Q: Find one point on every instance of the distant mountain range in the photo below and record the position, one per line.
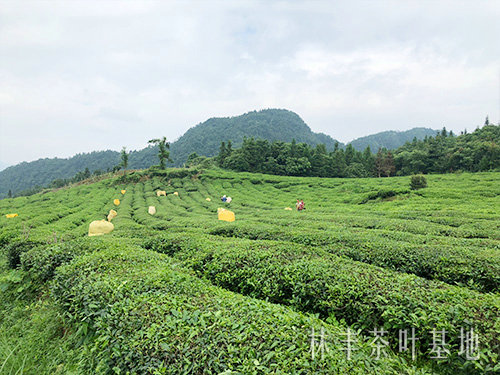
(204, 139)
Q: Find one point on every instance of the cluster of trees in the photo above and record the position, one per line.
(391, 139)
(472, 152)
(478, 151)
(301, 159)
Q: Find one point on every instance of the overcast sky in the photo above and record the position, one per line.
(94, 75)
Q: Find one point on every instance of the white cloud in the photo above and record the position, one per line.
(83, 75)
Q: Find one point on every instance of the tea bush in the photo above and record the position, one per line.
(317, 282)
(418, 182)
(145, 315)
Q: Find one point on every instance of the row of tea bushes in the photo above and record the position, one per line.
(312, 280)
(142, 314)
(479, 269)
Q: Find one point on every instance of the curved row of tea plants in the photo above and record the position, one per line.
(130, 309)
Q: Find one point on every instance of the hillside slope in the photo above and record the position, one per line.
(391, 139)
(183, 292)
(270, 124)
(3, 165)
(43, 171)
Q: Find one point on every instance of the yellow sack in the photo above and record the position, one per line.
(152, 210)
(112, 214)
(124, 191)
(288, 208)
(226, 215)
(100, 227)
(208, 199)
(159, 193)
(10, 216)
(176, 193)
(116, 202)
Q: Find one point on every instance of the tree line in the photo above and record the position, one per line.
(443, 153)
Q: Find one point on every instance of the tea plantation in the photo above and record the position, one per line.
(275, 292)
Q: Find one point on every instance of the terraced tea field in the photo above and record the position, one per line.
(275, 291)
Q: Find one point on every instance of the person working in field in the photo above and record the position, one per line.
(223, 198)
(300, 205)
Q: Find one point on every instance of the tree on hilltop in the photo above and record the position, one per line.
(163, 153)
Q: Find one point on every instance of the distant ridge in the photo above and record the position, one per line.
(391, 139)
(3, 165)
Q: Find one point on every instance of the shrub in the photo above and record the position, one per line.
(6, 238)
(42, 261)
(383, 194)
(418, 182)
(456, 264)
(14, 250)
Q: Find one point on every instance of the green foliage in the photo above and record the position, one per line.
(43, 171)
(13, 251)
(441, 154)
(383, 194)
(220, 290)
(292, 159)
(418, 182)
(270, 124)
(391, 140)
(163, 154)
(317, 282)
(477, 151)
(451, 265)
(199, 161)
(142, 314)
(124, 159)
(33, 337)
(133, 177)
(40, 262)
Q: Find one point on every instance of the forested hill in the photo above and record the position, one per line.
(269, 124)
(204, 139)
(43, 171)
(391, 139)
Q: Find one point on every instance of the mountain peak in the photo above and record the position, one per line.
(271, 124)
